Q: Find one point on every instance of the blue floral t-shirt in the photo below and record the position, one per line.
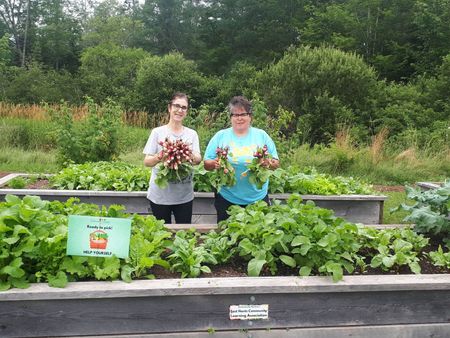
(241, 150)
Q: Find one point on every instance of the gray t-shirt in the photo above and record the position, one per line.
(177, 192)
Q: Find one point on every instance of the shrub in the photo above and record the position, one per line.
(92, 139)
(35, 84)
(323, 86)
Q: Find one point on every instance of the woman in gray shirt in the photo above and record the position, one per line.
(178, 196)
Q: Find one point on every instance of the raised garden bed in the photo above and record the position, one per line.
(366, 209)
(364, 306)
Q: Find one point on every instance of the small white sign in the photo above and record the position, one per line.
(249, 312)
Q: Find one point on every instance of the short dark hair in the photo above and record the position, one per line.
(179, 95)
(240, 101)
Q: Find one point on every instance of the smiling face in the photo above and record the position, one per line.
(240, 120)
(178, 109)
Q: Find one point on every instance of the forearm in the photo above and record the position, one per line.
(151, 160)
(196, 158)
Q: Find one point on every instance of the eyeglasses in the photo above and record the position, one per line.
(240, 115)
(178, 107)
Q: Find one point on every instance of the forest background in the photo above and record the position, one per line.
(356, 87)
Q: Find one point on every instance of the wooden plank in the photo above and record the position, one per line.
(429, 185)
(5, 179)
(230, 285)
(333, 197)
(129, 315)
(369, 331)
(365, 209)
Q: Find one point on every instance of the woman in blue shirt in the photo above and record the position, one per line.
(242, 140)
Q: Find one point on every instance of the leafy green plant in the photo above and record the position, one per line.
(117, 176)
(394, 248)
(430, 213)
(299, 236)
(218, 246)
(294, 180)
(33, 240)
(187, 257)
(440, 258)
(21, 182)
(17, 183)
(149, 240)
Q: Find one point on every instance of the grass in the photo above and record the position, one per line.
(27, 161)
(395, 198)
(387, 169)
(28, 145)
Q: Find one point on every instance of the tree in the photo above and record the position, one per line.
(18, 16)
(115, 24)
(57, 42)
(110, 71)
(172, 26)
(255, 31)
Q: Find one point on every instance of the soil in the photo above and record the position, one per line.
(39, 184)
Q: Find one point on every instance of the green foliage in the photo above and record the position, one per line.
(33, 239)
(26, 134)
(331, 88)
(5, 52)
(32, 161)
(394, 248)
(310, 239)
(257, 173)
(112, 25)
(36, 84)
(109, 71)
(21, 182)
(225, 175)
(430, 212)
(117, 176)
(158, 78)
(440, 258)
(217, 245)
(95, 138)
(298, 235)
(187, 256)
(149, 240)
(293, 180)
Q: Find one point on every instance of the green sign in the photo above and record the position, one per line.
(98, 236)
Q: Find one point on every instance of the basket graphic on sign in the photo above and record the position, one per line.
(98, 239)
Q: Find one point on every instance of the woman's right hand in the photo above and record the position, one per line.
(212, 164)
